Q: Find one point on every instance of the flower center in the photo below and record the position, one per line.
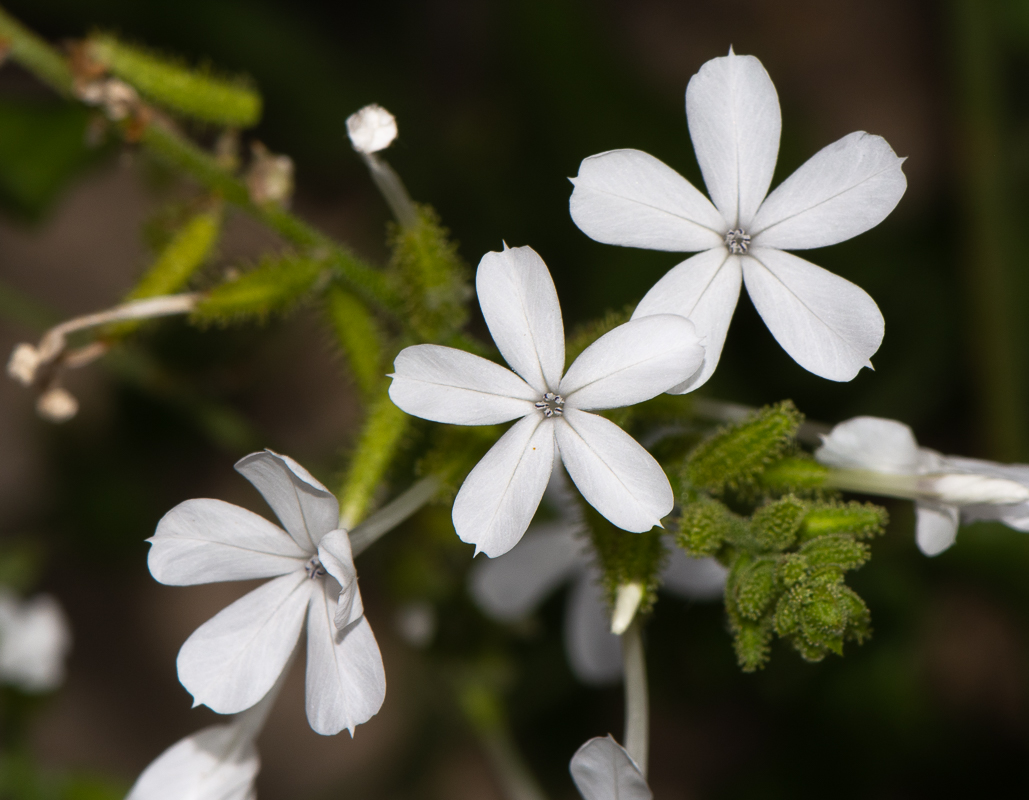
(552, 405)
(314, 569)
(737, 241)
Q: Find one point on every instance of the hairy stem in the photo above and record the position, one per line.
(637, 702)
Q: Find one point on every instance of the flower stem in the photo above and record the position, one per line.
(637, 702)
(389, 516)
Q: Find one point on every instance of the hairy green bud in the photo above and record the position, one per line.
(755, 588)
(168, 83)
(794, 474)
(737, 455)
(626, 557)
(704, 527)
(359, 337)
(184, 254)
(435, 280)
(792, 569)
(751, 642)
(862, 520)
(274, 287)
(836, 550)
(775, 525)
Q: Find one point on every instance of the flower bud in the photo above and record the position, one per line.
(371, 129)
(627, 600)
(969, 489)
(57, 405)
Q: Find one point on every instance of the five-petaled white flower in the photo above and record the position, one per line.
(881, 456)
(233, 660)
(626, 197)
(603, 770)
(632, 363)
(514, 585)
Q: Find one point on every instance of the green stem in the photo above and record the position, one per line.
(637, 702)
(389, 516)
(992, 348)
(33, 53)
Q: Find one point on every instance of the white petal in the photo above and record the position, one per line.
(733, 112)
(519, 303)
(628, 197)
(500, 495)
(634, 362)
(871, 443)
(232, 660)
(841, 191)
(602, 770)
(693, 578)
(936, 528)
(827, 324)
(35, 639)
(338, 559)
(306, 509)
(216, 763)
(613, 472)
(200, 541)
(1014, 516)
(594, 653)
(704, 289)
(346, 683)
(448, 385)
(512, 585)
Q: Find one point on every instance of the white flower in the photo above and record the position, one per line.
(553, 553)
(233, 660)
(632, 363)
(35, 639)
(881, 456)
(626, 197)
(602, 770)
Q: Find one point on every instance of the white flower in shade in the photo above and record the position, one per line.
(516, 584)
(626, 197)
(35, 639)
(233, 660)
(881, 456)
(219, 762)
(603, 770)
(627, 365)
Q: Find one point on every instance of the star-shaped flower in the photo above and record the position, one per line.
(626, 197)
(632, 363)
(514, 585)
(947, 490)
(233, 660)
(603, 770)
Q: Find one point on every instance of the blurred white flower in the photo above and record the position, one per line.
(603, 770)
(233, 660)
(554, 553)
(881, 456)
(626, 197)
(416, 623)
(35, 640)
(631, 363)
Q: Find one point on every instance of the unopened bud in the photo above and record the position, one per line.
(627, 600)
(371, 129)
(23, 363)
(57, 405)
(963, 490)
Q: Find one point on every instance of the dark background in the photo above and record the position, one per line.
(497, 104)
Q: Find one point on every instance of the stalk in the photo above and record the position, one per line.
(637, 702)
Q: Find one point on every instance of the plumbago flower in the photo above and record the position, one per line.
(603, 770)
(881, 456)
(233, 660)
(552, 553)
(632, 363)
(626, 197)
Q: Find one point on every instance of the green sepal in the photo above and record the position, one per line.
(755, 588)
(704, 527)
(626, 557)
(752, 640)
(776, 524)
(793, 474)
(837, 550)
(359, 338)
(734, 457)
(434, 279)
(173, 85)
(862, 520)
(274, 287)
